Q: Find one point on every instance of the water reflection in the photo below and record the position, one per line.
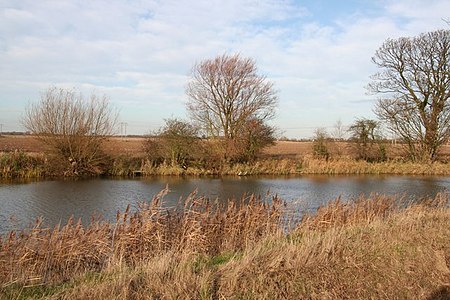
(56, 201)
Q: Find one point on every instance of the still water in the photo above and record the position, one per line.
(56, 201)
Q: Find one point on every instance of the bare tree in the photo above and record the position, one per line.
(73, 127)
(339, 131)
(415, 88)
(339, 135)
(226, 92)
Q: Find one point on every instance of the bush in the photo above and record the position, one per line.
(320, 144)
(74, 128)
(176, 143)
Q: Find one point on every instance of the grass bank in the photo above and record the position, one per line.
(23, 165)
(304, 166)
(373, 248)
(17, 164)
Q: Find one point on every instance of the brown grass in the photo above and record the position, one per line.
(346, 165)
(18, 164)
(399, 255)
(48, 255)
(373, 248)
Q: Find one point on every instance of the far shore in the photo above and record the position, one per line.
(23, 156)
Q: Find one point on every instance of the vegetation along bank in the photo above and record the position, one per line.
(230, 103)
(127, 157)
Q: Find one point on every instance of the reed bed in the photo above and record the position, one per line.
(47, 255)
(345, 165)
(371, 248)
(19, 164)
(378, 250)
(306, 165)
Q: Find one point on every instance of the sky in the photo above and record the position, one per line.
(140, 53)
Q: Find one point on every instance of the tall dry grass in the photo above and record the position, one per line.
(343, 165)
(394, 255)
(47, 255)
(372, 248)
(306, 165)
(346, 165)
(18, 164)
(24, 165)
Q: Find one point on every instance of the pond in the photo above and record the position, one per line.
(56, 200)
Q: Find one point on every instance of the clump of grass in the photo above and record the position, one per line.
(263, 167)
(18, 164)
(344, 213)
(376, 247)
(125, 165)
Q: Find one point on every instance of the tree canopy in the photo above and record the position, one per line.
(226, 96)
(226, 92)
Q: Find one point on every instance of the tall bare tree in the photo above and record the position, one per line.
(73, 127)
(226, 92)
(415, 88)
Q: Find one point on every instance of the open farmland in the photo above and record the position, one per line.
(132, 146)
(115, 145)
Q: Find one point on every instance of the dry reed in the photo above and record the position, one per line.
(371, 248)
(307, 165)
(23, 165)
(345, 165)
(18, 164)
(44, 255)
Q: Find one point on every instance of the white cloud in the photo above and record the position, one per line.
(140, 52)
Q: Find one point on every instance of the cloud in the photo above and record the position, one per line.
(140, 52)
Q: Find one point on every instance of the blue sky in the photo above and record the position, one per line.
(139, 53)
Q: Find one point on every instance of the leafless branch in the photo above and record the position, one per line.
(72, 126)
(415, 83)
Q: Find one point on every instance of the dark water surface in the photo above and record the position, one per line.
(56, 201)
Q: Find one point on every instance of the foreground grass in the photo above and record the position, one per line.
(374, 248)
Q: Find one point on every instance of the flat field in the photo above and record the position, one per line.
(133, 146)
(114, 145)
